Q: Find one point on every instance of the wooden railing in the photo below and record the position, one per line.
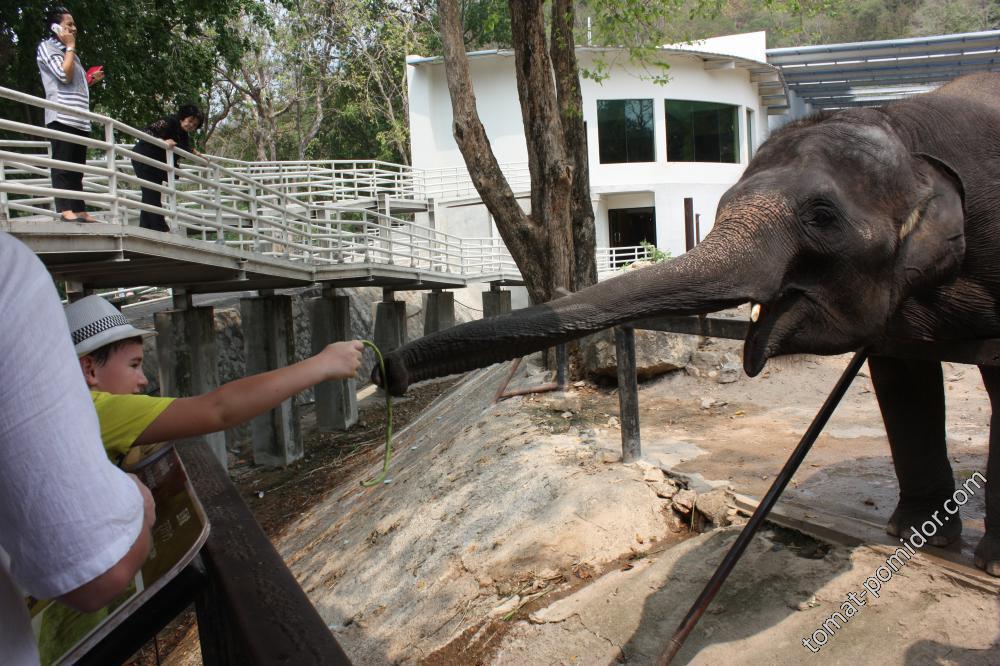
(251, 611)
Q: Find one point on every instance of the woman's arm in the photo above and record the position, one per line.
(69, 58)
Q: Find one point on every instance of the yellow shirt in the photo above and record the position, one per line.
(124, 417)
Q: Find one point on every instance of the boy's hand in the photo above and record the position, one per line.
(341, 360)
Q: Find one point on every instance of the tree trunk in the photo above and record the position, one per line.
(543, 243)
(550, 168)
(567, 78)
(516, 228)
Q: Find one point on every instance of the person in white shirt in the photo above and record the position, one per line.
(72, 525)
(65, 82)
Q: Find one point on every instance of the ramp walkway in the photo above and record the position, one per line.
(238, 225)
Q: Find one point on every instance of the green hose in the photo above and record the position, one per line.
(388, 427)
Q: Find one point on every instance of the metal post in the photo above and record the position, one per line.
(220, 236)
(110, 153)
(774, 492)
(690, 238)
(628, 393)
(4, 204)
(562, 364)
(257, 244)
(171, 189)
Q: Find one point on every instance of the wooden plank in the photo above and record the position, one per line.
(254, 611)
(974, 352)
(713, 327)
(852, 531)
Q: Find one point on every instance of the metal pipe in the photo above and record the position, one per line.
(562, 364)
(743, 540)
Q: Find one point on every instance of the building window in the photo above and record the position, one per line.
(625, 130)
(702, 132)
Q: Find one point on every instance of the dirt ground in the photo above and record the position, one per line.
(513, 534)
(278, 496)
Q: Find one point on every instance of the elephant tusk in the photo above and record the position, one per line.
(755, 312)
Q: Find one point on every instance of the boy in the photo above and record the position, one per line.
(110, 353)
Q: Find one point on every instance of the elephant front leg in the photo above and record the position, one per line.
(911, 397)
(988, 550)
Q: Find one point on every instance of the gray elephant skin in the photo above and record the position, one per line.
(846, 229)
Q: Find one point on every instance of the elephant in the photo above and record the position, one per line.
(847, 229)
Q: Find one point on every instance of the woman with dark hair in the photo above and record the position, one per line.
(174, 131)
(65, 82)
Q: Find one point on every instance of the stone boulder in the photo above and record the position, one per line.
(656, 353)
(722, 366)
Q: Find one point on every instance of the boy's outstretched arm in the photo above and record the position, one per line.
(242, 399)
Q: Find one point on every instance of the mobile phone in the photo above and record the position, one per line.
(56, 29)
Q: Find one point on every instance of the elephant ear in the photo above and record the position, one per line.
(932, 238)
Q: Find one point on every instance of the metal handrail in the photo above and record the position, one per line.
(299, 210)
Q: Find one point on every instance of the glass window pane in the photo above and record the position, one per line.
(625, 130)
(702, 132)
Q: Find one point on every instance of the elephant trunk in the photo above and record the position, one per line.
(711, 277)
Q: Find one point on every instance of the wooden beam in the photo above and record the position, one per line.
(254, 612)
(714, 327)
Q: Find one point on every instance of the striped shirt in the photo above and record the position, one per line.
(75, 93)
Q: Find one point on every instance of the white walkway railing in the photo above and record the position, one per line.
(340, 181)
(300, 211)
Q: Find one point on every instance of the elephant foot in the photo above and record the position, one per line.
(987, 555)
(933, 524)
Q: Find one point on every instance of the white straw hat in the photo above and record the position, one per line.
(93, 323)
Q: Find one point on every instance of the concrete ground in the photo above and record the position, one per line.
(512, 534)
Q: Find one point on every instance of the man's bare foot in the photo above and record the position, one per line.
(78, 217)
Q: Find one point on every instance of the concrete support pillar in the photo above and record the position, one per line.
(439, 311)
(390, 323)
(269, 343)
(189, 365)
(76, 290)
(336, 401)
(495, 302)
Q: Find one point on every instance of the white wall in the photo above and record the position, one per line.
(660, 183)
(432, 143)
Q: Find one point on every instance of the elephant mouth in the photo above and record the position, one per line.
(772, 324)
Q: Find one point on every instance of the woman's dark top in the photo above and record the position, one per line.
(164, 128)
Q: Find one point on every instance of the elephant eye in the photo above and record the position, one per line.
(820, 214)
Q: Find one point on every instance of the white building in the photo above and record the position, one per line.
(651, 145)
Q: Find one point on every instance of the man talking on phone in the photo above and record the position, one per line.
(65, 83)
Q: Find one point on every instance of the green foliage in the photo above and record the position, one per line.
(656, 255)
(158, 53)
(155, 54)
